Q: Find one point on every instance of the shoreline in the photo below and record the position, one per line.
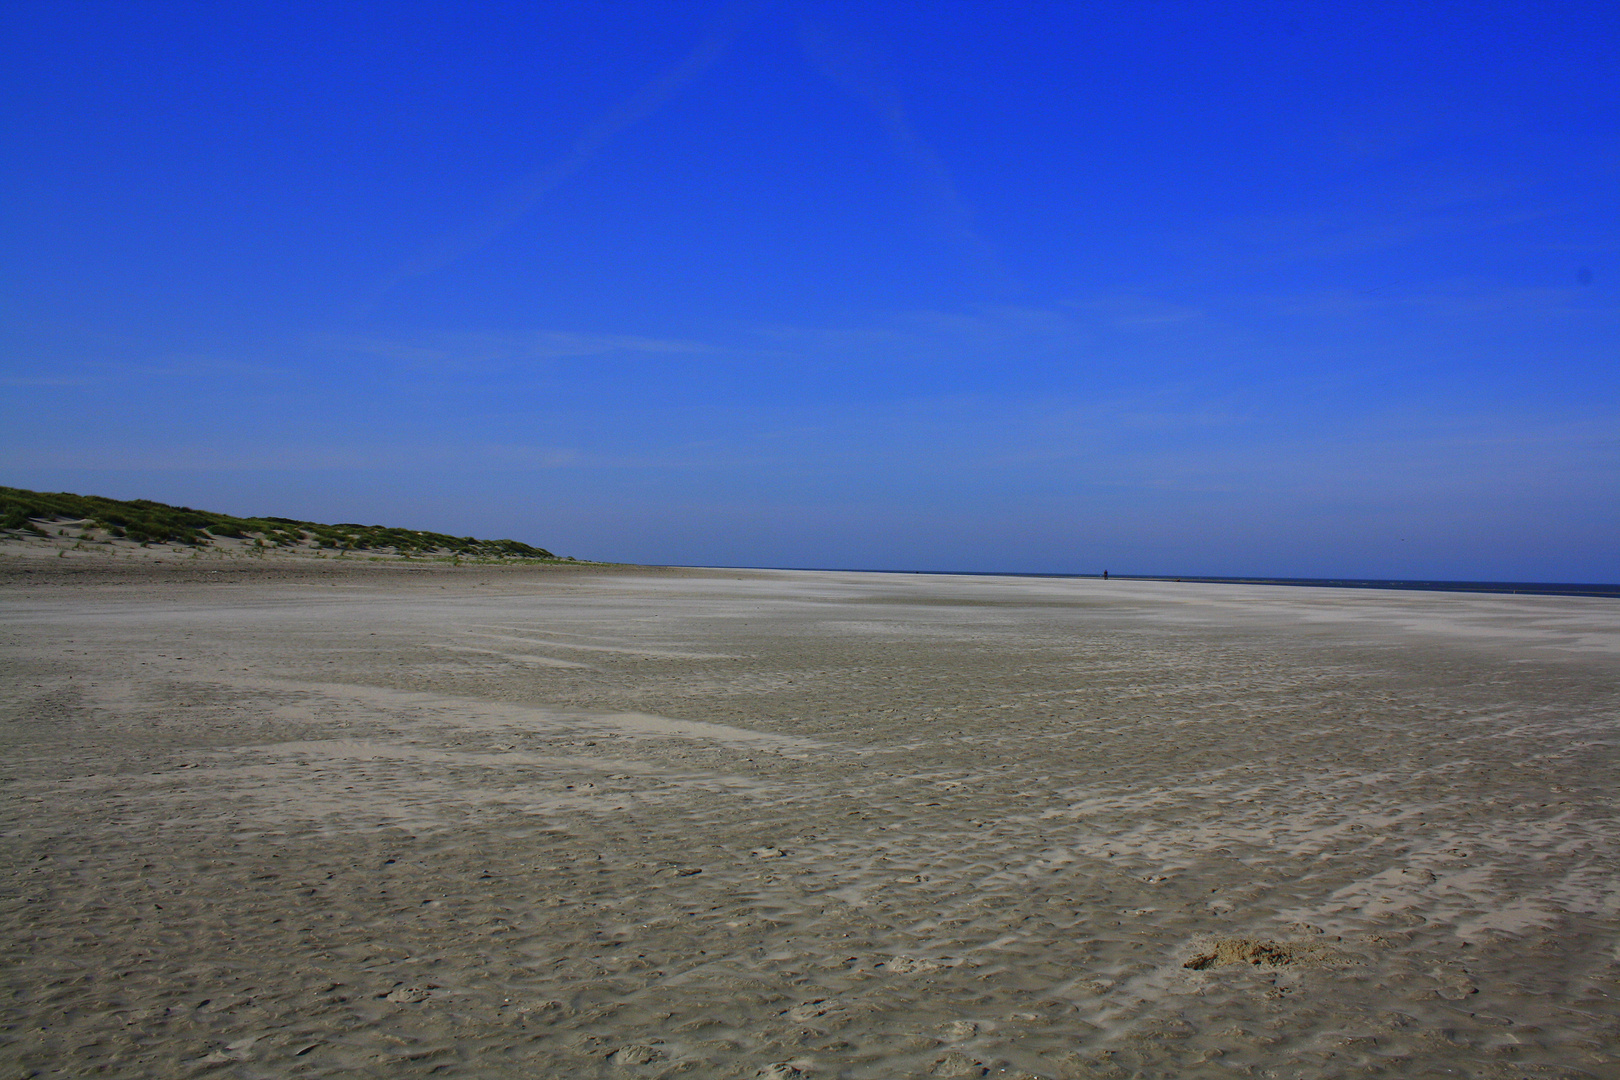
(43, 555)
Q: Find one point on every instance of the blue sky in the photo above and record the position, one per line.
(1292, 289)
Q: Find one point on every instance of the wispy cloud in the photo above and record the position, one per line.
(1453, 299)
(205, 367)
(45, 381)
(1336, 231)
(472, 348)
(96, 371)
(1135, 310)
(318, 457)
(523, 197)
(852, 66)
(986, 331)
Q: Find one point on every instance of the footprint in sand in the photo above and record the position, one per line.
(637, 1054)
(1271, 954)
(910, 965)
(957, 1064)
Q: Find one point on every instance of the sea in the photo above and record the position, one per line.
(1527, 588)
(1532, 588)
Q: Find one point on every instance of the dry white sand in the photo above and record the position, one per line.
(269, 820)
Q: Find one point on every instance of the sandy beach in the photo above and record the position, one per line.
(271, 819)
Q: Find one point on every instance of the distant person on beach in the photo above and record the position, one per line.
(1105, 575)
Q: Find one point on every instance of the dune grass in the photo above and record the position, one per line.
(145, 521)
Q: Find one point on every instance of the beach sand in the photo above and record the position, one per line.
(272, 818)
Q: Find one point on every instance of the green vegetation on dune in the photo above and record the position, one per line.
(146, 522)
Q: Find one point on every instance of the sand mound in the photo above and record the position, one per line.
(1242, 950)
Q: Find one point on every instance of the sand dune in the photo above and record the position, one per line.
(379, 820)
